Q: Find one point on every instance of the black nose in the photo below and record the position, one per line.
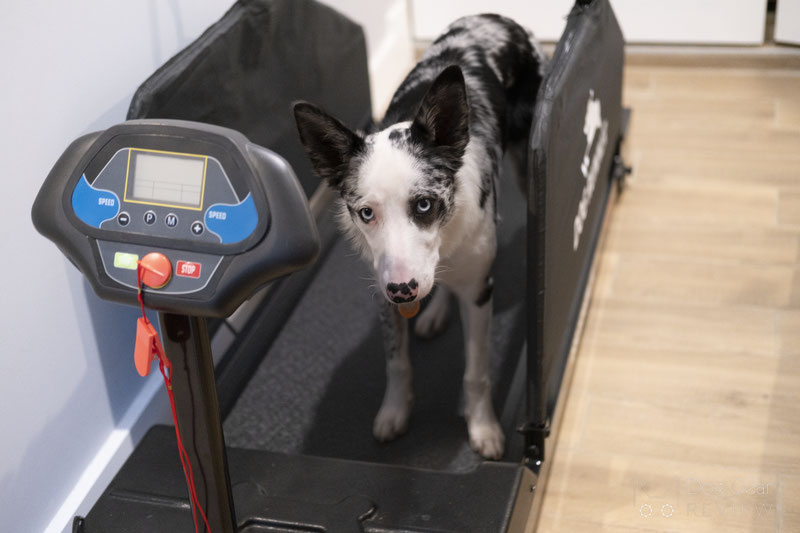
(403, 292)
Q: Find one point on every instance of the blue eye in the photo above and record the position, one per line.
(423, 206)
(367, 215)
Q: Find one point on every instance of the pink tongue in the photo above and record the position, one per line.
(409, 310)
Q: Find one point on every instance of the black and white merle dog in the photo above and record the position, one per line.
(419, 197)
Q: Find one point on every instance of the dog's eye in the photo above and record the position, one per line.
(423, 206)
(366, 214)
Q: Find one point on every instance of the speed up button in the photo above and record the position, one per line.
(232, 223)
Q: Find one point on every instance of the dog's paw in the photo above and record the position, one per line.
(428, 326)
(390, 423)
(487, 439)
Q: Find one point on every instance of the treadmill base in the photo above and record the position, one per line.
(275, 492)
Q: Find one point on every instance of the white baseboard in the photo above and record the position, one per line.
(149, 408)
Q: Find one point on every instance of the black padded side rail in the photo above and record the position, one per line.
(245, 71)
(575, 134)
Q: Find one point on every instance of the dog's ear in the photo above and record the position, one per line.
(329, 144)
(443, 116)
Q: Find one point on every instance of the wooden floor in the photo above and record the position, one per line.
(684, 414)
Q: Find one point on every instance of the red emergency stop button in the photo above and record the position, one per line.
(188, 269)
(157, 270)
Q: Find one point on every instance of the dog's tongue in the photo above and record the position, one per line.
(409, 310)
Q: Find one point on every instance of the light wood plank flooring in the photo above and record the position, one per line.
(684, 413)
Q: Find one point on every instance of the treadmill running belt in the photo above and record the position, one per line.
(321, 383)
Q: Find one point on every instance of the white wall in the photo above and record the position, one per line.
(692, 22)
(66, 373)
(787, 22)
(390, 45)
(71, 405)
(642, 21)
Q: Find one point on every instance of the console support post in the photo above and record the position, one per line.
(186, 343)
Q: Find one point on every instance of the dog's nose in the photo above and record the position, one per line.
(403, 292)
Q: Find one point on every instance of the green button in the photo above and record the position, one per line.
(125, 260)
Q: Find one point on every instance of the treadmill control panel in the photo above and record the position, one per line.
(158, 193)
(144, 193)
(201, 195)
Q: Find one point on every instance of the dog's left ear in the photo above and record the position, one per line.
(443, 116)
(330, 145)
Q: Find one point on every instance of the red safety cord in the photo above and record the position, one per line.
(165, 366)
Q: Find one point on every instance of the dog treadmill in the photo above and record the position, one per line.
(300, 366)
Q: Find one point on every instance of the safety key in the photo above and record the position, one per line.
(148, 346)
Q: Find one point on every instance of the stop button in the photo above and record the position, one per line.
(188, 269)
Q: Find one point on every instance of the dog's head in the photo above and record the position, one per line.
(398, 184)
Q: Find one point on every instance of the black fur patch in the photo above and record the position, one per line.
(393, 328)
(439, 211)
(331, 146)
(486, 293)
(502, 73)
(400, 136)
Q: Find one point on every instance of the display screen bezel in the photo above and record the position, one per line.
(130, 178)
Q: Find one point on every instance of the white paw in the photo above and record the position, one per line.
(487, 439)
(391, 422)
(433, 319)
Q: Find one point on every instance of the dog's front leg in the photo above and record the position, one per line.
(392, 418)
(485, 435)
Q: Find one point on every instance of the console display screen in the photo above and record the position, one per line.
(165, 178)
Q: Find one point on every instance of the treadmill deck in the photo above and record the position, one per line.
(322, 381)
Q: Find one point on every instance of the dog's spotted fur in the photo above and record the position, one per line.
(419, 195)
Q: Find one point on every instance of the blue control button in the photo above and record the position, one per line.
(93, 206)
(232, 223)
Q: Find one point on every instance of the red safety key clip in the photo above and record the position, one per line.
(148, 346)
(154, 270)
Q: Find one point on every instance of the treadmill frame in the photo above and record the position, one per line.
(285, 504)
